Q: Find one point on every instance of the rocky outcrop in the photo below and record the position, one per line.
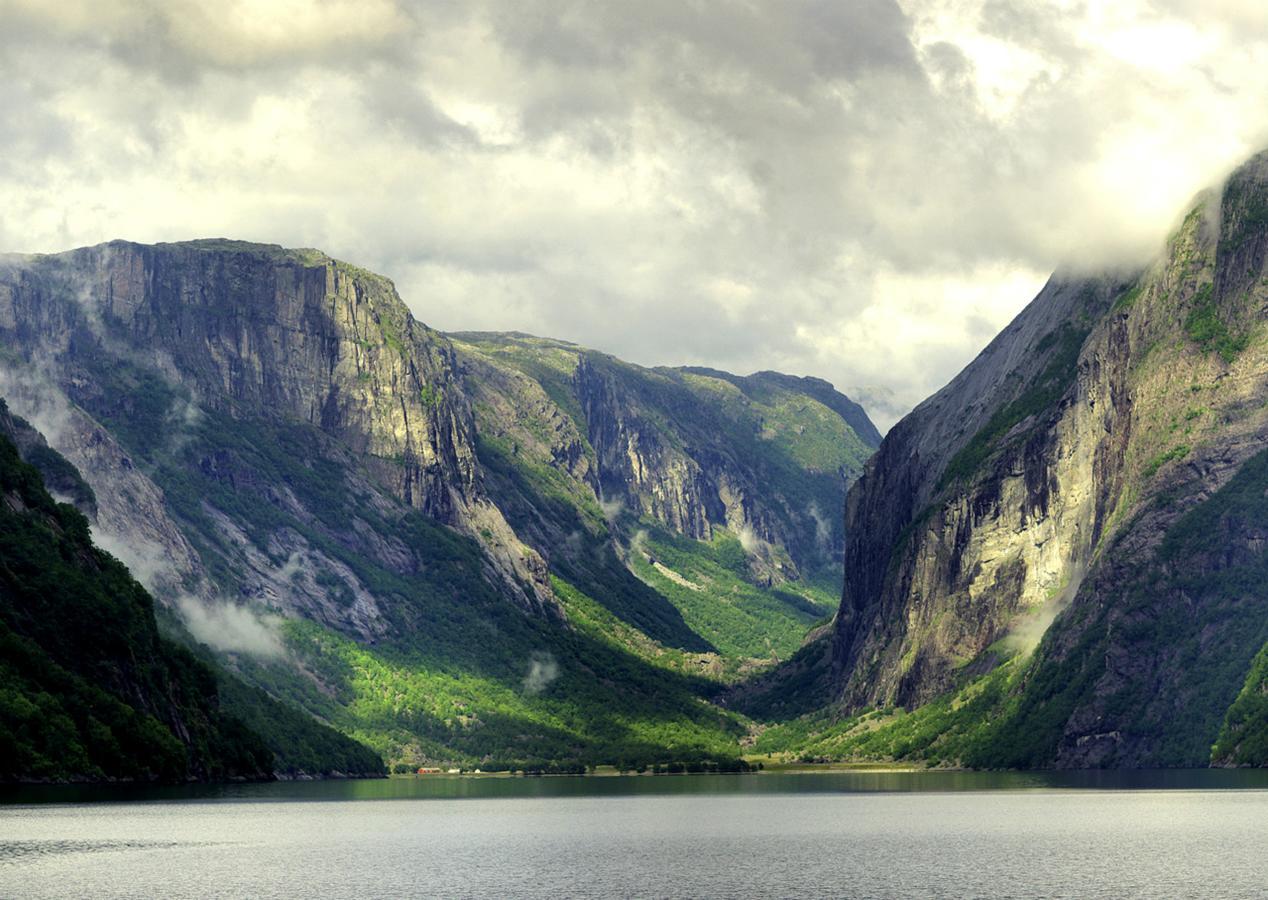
(635, 462)
(263, 332)
(938, 566)
(61, 478)
(129, 514)
(765, 457)
(156, 336)
(1042, 486)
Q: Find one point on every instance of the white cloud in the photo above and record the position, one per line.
(231, 628)
(864, 191)
(542, 670)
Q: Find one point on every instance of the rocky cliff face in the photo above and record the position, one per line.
(413, 536)
(765, 457)
(258, 331)
(158, 338)
(955, 527)
(1046, 484)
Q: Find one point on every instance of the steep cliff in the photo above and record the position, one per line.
(765, 457)
(153, 342)
(1069, 503)
(257, 331)
(90, 691)
(438, 546)
(631, 482)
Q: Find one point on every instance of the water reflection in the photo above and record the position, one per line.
(827, 782)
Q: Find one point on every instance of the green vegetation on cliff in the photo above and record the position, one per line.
(536, 697)
(1206, 327)
(500, 551)
(88, 688)
(1243, 738)
(709, 583)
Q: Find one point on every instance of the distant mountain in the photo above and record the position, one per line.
(1059, 558)
(476, 549)
(764, 457)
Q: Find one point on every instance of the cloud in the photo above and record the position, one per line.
(148, 562)
(1028, 629)
(32, 392)
(612, 509)
(542, 670)
(221, 624)
(823, 527)
(231, 628)
(860, 191)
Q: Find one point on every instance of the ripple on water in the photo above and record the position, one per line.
(20, 851)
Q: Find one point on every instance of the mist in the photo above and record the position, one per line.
(1028, 629)
(823, 528)
(542, 670)
(231, 628)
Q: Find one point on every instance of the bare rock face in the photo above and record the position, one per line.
(1040, 490)
(252, 333)
(637, 465)
(128, 512)
(765, 457)
(936, 572)
(259, 331)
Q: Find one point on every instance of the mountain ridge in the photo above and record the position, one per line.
(346, 499)
(1029, 552)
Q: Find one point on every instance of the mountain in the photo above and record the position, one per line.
(91, 690)
(1058, 559)
(696, 453)
(469, 549)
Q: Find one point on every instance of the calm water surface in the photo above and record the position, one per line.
(1173, 834)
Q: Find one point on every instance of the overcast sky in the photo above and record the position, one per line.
(865, 191)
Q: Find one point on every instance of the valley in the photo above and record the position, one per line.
(485, 550)
(509, 552)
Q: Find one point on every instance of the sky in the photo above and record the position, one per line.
(864, 191)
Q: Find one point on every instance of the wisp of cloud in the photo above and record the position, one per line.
(231, 628)
(542, 670)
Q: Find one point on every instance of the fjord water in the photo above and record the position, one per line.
(834, 834)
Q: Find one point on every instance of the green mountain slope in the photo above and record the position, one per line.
(483, 551)
(92, 690)
(1058, 560)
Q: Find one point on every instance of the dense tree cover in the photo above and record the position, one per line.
(1199, 591)
(711, 586)
(88, 688)
(1243, 739)
(300, 745)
